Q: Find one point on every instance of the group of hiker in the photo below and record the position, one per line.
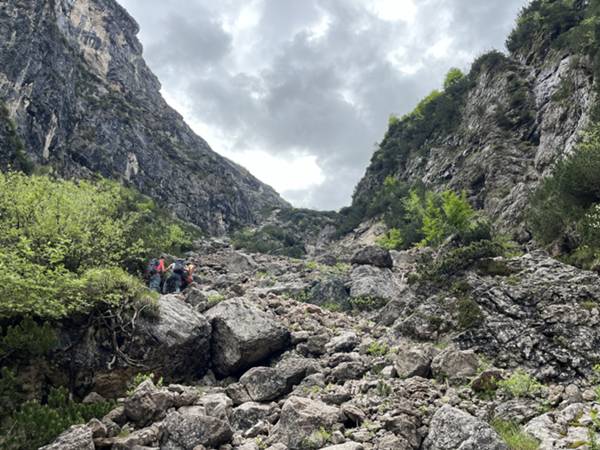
(170, 279)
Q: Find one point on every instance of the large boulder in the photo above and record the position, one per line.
(264, 384)
(188, 431)
(453, 429)
(373, 256)
(414, 361)
(368, 282)
(242, 336)
(455, 365)
(78, 437)
(148, 404)
(174, 342)
(301, 418)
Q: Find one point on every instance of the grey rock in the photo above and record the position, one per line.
(243, 335)
(373, 256)
(345, 342)
(414, 360)
(300, 418)
(248, 414)
(453, 429)
(78, 437)
(148, 403)
(346, 446)
(264, 384)
(187, 431)
(374, 283)
(455, 365)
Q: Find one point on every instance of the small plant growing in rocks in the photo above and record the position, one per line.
(377, 348)
(139, 379)
(520, 384)
(514, 436)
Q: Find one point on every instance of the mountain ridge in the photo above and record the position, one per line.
(84, 102)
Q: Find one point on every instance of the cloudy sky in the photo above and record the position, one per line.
(300, 91)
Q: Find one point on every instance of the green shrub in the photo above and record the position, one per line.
(469, 313)
(377, 349)
(514, 436)
(64, 244)
(139, 378)
(33, 424)
(391, 240)
(453, 76)
(27, 340)
(520, 384)
(367, 303)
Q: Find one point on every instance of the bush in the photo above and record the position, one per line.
(27, 340)
(469, 313)
(63, 244)
(392, 240)
(514, 436)
(34, 424)
(520, 384)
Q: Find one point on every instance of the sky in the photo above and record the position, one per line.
(300, 91)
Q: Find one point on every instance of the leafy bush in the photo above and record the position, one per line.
(469, 313)
(63, 244)
(514, 436)
(453, 76)
(392, 240)
(33, 424)
(27, 340)
(520, 384)
(377, 349)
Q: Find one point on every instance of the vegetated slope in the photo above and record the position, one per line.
(83, 101)
(498, 130)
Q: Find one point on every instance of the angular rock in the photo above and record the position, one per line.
(248, 414)
(346, 342)
(191, 430)
(264, 384)
(243, 335)
(300, 418)
(346, 446)
(148, 404)
(455, 365)
(453, 429)
(78, 437)
(375, 284)
(373, 256)
(414, 361)
(293, 370)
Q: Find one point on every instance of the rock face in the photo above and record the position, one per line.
(515, 123)
(83, 100)
(242, 336)
(453, 429)
(373, 256)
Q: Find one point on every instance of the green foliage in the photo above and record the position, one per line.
(566, 206)
(33, 424)
(453, 261)
(214, 299)
(453, 76)
(377, 348)
(17, 158)
(391, 240)
(139, 378)
(469, 313)
(10, 391)
(514, 435)
(492, 61)
(520, 384)
(27, 340)
(63, 244)
(367, 303)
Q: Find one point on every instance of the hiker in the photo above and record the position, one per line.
(155, 272)
(174, 281)
(188, 275)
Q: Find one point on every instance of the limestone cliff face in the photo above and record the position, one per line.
(74, 82)
(521, 114)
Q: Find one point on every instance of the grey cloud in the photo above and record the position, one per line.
(330, 96)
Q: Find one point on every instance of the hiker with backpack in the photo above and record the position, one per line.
(175, 280)
(188, 275)
(155, 272)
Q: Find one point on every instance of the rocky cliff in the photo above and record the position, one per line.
(83, 101)
(512, 119)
